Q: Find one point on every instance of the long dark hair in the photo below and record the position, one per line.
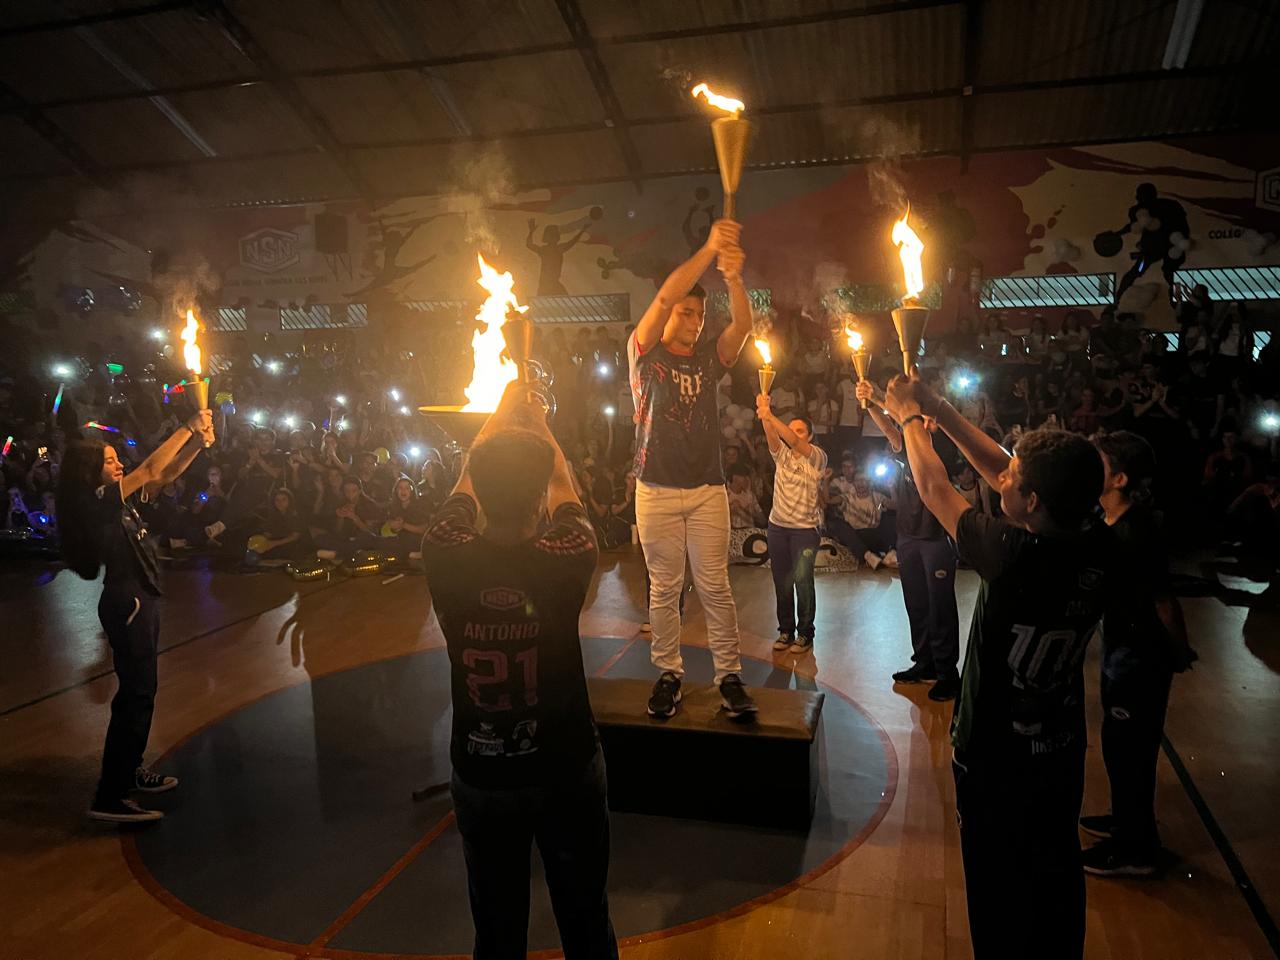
(81, 474)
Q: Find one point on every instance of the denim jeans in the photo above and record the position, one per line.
(570, 823)
(130, 615)
(676, 523)
(792, 552)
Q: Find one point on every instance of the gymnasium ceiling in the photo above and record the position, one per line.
(229, 102)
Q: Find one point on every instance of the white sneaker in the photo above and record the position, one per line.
(873, 560)
(415, 554)
(783, 642)
(177, 544)
(891, 559)
(327, 554)
(214, 529)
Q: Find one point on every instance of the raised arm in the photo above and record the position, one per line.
(779, 432)
(677, 286)
(734, 336)
(936, 492)
(866, 390)
(149, 473)
(987, 457)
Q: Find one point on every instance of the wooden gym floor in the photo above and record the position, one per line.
(70, 888)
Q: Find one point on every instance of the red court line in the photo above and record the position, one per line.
(362, 901)
(612, 661)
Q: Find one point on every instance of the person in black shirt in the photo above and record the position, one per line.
(926, 563)
(284, 531)
(1019, 727)
(1144, 643)
(101, 527)
(408, 516)
(682, 506)
(527, 764)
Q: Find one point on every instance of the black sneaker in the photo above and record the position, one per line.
(122, 811)
(916, 673)
(149, 782)
(1110, 859)
(737, 702)
(1099, 826)
(665, 697)
(946, 688)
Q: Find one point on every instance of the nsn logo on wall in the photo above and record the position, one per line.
(269, 250)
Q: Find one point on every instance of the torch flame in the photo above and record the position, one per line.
(855, 339)
(763, 346)
(909, 250)
(191, 349)
(493, 371)
(727, 104)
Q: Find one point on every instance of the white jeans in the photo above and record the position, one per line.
(674, 522)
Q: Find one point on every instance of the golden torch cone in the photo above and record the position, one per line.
(909, 319)
(861, 360)
(731, 135)
(910, 323)
(766, 371)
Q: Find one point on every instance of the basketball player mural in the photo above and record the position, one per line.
(1164, 236)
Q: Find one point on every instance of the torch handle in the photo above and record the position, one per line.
(864, 400)
(729, 205)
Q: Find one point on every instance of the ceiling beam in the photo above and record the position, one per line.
(919, 96)
(487, 56)
(571, 13)
(288, 91)
(55, 136)
(108, 16)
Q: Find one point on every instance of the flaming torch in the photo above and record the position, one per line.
(501, 354)
(730, 135)
(910, 318)
(766, 372)
(861, 358)
(191, 356)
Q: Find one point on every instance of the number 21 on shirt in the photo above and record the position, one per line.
(491, 669)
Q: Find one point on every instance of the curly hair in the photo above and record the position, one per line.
(1064, 470)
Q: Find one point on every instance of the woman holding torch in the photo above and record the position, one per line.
(101, 527)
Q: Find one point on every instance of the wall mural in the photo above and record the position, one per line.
(1119, 208)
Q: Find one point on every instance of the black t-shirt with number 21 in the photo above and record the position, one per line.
(521, 716)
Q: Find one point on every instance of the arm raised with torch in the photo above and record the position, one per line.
(682, 507)
(730, 134)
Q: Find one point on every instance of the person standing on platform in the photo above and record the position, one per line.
(793, 524)
(682, 508)
(926, 561)
(1144, 643)
(100, 526)
(526, 756)
(1019, 727)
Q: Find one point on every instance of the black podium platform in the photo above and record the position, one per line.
(703, 765)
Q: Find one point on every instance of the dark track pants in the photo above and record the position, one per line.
(1023, 878)
(1132, 726)
(927, 569)
(570, 822)
(131, 617)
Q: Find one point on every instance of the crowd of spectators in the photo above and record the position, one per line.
(321, 449)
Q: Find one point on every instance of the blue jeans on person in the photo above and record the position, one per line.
(927, 569)
(569, 820)
(792, 552)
